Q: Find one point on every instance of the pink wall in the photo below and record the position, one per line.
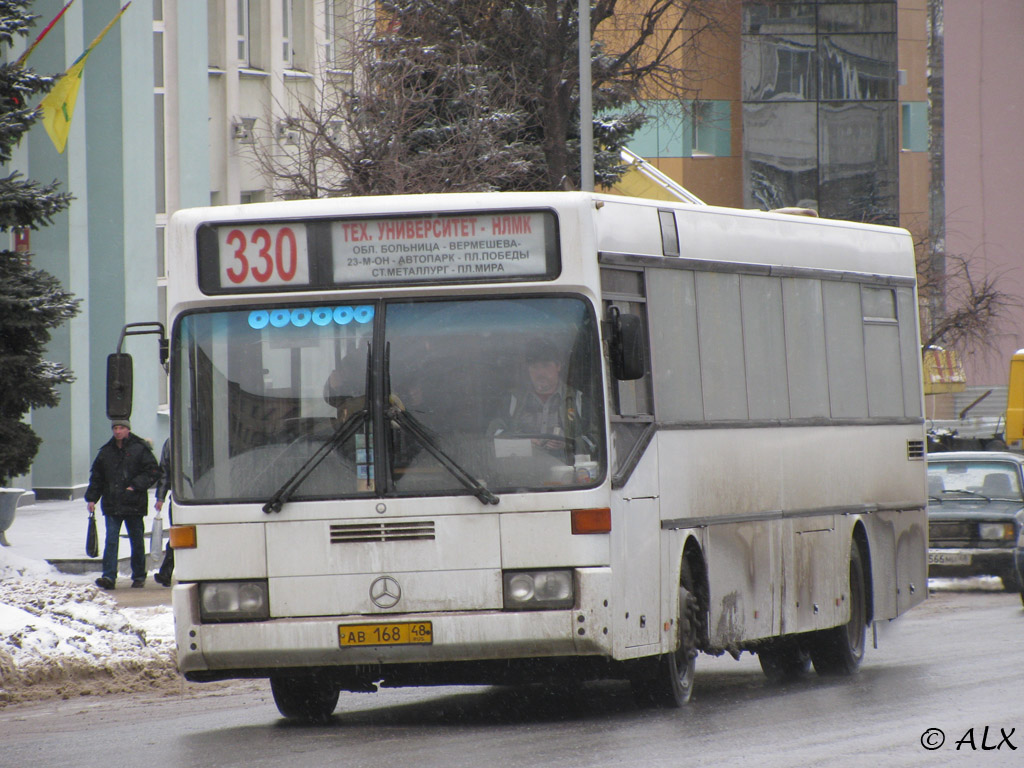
(984, 69)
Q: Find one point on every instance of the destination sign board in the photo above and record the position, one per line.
(295, 255)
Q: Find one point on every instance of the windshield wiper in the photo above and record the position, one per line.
(398, 415)
(344, 431)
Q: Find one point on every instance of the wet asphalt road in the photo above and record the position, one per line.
(942, 675)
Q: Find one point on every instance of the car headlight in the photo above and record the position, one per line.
(538, 590)
(233, 601)
(997, 531)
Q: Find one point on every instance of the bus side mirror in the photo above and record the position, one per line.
(626, 346)
(119, 386)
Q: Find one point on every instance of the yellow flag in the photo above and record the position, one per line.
(59, 104)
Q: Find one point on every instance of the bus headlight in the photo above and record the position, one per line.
(233, 601)
(538, 590)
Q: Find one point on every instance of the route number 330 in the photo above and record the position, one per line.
(263, 255)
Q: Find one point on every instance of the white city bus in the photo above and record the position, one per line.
(371, 488)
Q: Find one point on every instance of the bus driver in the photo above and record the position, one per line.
(546, 408)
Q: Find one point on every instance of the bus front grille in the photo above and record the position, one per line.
(361, 533)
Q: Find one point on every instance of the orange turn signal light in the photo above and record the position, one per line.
(183, 537)
(591, 520)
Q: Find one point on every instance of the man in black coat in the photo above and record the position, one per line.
(124, 470)
(163, 485)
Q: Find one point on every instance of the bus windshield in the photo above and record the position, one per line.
(498, 393)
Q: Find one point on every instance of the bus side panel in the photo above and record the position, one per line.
(779, 557)
(744, 585)
(811, 575)
(912, 560)
(636, 561)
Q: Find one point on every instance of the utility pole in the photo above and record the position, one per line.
(936, 162)
(586, 101)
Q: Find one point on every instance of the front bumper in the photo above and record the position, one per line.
(248, 649)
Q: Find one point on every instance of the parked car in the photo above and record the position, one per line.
(1018, 556)
(976, 515)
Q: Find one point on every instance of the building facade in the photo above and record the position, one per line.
(170, 103)
(814, 103)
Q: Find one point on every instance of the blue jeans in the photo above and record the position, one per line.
(136, 527)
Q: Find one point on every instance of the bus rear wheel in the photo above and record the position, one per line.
(304, 697)
(840, 650)
(672, 682)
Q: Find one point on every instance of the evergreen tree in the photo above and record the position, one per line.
(32, 302)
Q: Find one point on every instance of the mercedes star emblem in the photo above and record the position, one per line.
(385, 592)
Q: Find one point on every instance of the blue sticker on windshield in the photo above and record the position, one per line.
(302, 316)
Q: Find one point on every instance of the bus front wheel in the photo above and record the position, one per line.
(304, 697)
(839, 651)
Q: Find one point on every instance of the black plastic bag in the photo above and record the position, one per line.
(92, 547)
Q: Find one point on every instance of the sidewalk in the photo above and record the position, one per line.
(54, 531)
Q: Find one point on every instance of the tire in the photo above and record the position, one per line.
(784, 661)
(671, 684)
(304, 697)
(840, 650)
(1010, 582)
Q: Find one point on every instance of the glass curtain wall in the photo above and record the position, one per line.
(820, 121)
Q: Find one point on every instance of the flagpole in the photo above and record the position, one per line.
(41, 35)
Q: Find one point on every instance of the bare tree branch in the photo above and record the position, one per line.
(483, 95)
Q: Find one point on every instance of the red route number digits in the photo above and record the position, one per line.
(265, 253)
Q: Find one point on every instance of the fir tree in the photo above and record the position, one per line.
(32, 302)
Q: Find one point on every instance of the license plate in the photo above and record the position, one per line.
(949, 558)
(397, 633)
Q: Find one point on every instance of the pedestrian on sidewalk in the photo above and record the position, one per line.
(121, 476)
(163, 485)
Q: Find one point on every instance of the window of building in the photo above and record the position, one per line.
(159, 96)
(215, 35)
(915, 126)
(242, 33)
(248, 32)
(252, 196)
(287, 32)
(161, 261)
(712, 134)
(339, 30)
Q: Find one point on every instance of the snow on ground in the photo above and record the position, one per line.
(62, 636)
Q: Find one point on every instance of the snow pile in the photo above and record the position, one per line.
(62, 636)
